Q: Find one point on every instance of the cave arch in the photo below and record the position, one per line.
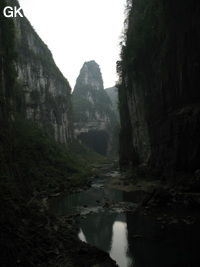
(98, 140)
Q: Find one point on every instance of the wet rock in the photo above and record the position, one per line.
(187, 222)
(54, 195)
(174, 221)
(159, 196)
(106, 205)
(162, 196)
(142, 170)
(91, 256)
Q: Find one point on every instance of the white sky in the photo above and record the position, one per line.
(77, 31)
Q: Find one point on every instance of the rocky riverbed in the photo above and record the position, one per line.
(157, 216)
(169, 209)
(171, 204)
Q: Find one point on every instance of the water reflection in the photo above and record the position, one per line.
(109, 233)
(120, 249)
(91, 200)
(97, 230)
(154, 246)
(132, 239)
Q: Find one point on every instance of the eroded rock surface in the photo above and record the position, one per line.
(95, 120)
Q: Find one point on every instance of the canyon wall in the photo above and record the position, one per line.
(46, 92)
(159, 87)
(112, 92)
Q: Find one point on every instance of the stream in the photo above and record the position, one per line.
(108, 219)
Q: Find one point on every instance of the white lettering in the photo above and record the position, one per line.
(17, 11)
(8, 13)
(12, 12)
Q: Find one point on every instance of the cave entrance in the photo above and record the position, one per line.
(97, 140)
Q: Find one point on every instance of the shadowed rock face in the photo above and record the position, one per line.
(95, 119)
(97, 140)
(160, 94)
(112, 92)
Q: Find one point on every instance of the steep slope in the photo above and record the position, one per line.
(95, 120)
(159, 91)
(46, 92)
(32, 167)
(112, 92)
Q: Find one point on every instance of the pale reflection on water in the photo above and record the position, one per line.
(131, 238)
(118, 244)
(119, 247)
(82, 236)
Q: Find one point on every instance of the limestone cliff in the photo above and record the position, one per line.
(95, 120)
(47, 92)
(112, 92)
(159, 90)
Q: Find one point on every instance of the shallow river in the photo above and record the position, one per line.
(109, 221)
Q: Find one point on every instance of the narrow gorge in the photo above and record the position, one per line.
(100, 177)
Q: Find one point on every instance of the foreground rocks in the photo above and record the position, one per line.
(70, 251)
(173, 205)
(38, 238)
(31, 236)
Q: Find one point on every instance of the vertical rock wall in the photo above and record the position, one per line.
(160, 84)
(112, 92)
(47, 92)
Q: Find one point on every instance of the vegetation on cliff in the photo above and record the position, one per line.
(89, 97)
(32, 166)
(159, 71)
(94, 117)
(85, 109)
(113, 95)
(27, 152)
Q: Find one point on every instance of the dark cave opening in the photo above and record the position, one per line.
(97, 140)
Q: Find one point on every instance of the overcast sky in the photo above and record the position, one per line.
(77, 31)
